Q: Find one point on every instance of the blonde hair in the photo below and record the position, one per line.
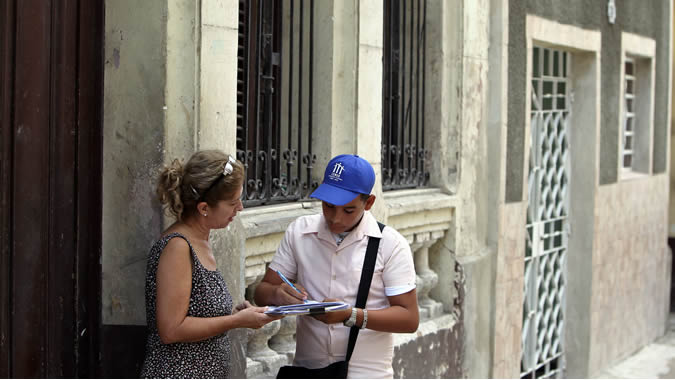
(181, 187)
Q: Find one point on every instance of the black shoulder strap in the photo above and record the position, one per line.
(364, 286)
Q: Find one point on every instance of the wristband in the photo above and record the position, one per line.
(365, 319)
(351, 321)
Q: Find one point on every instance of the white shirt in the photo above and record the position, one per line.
(309, 254)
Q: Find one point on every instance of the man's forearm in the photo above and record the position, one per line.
(395, 319)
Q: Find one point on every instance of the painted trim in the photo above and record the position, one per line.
(547, 33)
(641, 50)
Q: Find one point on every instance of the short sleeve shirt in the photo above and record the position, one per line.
(309, 254)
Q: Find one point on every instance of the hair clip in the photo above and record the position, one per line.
(196, 194)
(228, 169)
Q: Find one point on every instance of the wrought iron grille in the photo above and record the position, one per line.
(404, 157)
(274, 99)
(547, 224)
(628, 132)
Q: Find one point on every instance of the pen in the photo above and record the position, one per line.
(289, 283)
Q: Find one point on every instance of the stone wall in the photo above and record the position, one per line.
(509, 293)
(133, 110)
(631, 269)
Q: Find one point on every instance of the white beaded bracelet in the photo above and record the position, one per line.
(365, 319)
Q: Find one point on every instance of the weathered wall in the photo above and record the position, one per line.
(470, 236)
(133, 113)
(436, 354)
(631, 269)
(135, 75)
(632, 16)
(170, 90)
(167, 93)
(505, 226)
(508, 301)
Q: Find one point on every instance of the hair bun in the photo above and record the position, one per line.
(169, 187)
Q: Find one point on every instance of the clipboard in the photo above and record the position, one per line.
(311, 307)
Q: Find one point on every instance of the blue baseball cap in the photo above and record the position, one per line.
(346, 176)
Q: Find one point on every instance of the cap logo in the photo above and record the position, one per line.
(337, 172)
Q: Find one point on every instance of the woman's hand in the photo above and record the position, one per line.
(241, 306)
(254, 317)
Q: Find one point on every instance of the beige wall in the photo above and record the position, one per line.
(135, 77)
(167, 93)
(509, 292)
(631, 269)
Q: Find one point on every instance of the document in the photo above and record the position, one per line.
(310, 307)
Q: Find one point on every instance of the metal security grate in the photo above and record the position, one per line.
(404, 157)
(546, 240)
(628, 132)
(275, 77)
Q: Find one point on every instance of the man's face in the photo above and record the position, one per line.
(344, 218)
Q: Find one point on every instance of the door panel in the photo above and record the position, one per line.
(50, 174)
(30, 184)
(6, 85)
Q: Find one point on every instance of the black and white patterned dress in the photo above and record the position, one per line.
(209, 297)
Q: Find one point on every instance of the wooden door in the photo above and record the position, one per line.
(50, 181)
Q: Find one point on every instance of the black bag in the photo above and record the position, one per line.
(338, 370)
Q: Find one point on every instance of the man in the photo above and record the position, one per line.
(324, 255)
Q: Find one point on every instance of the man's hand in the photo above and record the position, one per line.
(334, 316)
(285, 295)
(272, 290)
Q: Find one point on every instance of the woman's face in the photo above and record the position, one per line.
(227, 209)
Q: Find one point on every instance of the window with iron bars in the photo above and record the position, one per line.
(405, 160)
(628, 132)
(274, 99)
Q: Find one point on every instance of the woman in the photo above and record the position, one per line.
(188, 306)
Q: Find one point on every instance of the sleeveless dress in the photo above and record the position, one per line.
(209, 297)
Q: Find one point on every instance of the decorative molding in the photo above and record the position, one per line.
(418, 213)
(423, 217)
(264, 228)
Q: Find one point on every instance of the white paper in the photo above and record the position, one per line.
(307, 308)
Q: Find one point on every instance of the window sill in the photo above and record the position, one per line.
(266, 220)
(404, 201)
(420, 212)
(629, 175)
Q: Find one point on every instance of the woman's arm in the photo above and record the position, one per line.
(174, 283)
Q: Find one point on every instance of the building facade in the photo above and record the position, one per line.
(522, 148)
(514, 142)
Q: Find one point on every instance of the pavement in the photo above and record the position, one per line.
(655, 361)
